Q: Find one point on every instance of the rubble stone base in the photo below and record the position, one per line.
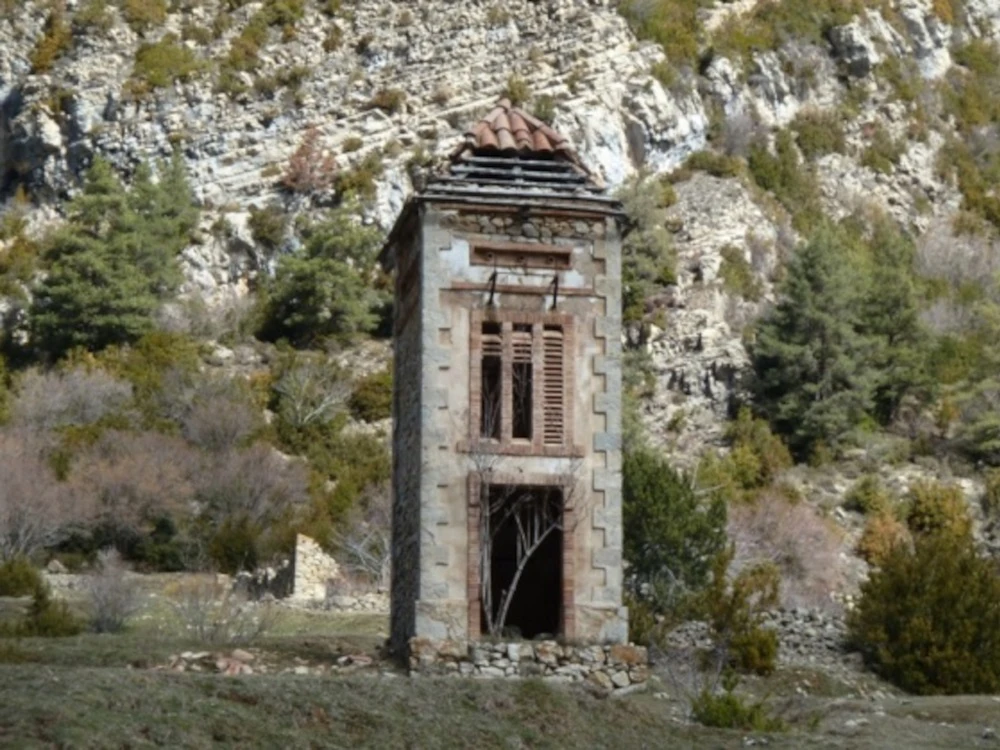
(611, 667)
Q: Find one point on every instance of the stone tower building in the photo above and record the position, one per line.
(507, 403)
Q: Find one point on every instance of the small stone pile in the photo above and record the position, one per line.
(612, 668)
(236, 663)
(370, 602)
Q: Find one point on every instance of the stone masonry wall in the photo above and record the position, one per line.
(314, 569)
(610, 667)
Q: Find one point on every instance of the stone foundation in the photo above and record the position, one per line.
(610, 667)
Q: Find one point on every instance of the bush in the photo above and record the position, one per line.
(388, 100)
(545, 108)
(72, 397)
(882, 152)
(517, 90)
(114, 598)
(734, 605)
(56, 39)
(737, 275)
(868, 496)
(648, 257)
(783, 174)
(268, 226)
(755, 460)
(929, 619)
(94, 15)
(143, 15)
(310, 169)
(882, 534)
(934, 508)
(671, 537)
(45, 618)
(212, 613)
(371, 400)
(360, 181)
(727, 710)
(717, 165)
(18, 577)
(162, 64)
(794, 538)
(818, 132)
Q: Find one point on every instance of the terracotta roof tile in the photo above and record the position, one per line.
(509, 131)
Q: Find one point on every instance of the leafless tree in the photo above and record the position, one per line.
(311, 391)
(366, 542)
(132, 478)
(36, 510)
(114, 597)
(257, 484)
(49, 400)
(209, 609)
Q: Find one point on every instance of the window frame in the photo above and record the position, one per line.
(508, 444)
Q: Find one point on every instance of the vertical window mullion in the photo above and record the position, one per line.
(507, 380)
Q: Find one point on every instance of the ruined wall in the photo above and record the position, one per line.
(313, 570)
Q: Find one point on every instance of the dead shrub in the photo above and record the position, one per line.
(310, 169)
(365, 543)
(793, 537)
(211, 612)
(114, 597)
(36, 510)
(215, 413)
(134, 479)
(50, 400)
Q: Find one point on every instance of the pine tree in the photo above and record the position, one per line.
(891, 315)
(812, 378)
(114, 261)
(326, 289)
(671, 536)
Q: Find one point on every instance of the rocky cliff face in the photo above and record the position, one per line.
(450, 61)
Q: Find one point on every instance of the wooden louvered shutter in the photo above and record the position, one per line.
(521, 377)
(554, 387)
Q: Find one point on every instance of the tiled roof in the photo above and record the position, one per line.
(510, 131)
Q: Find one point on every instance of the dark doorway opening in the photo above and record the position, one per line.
(526, 535)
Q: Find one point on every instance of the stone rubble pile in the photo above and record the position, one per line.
(612, 668)
(805, 636)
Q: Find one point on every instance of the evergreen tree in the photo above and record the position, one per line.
(326, 289)
(671, 536)
(891, 315)
(114, 261)
(812, 374)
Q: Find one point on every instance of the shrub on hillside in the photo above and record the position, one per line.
(18, 577)
(791, 536)
(935, 508)
(143, 15)
(868, 496)
(882, 534)
(36, 510)
(755, 460)
(162, 64)
(56, 39)
(735, 603)
(728, 710)
(818, 132)
(62, 398)
(371, 399)
(310, 169)
(928, 620)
